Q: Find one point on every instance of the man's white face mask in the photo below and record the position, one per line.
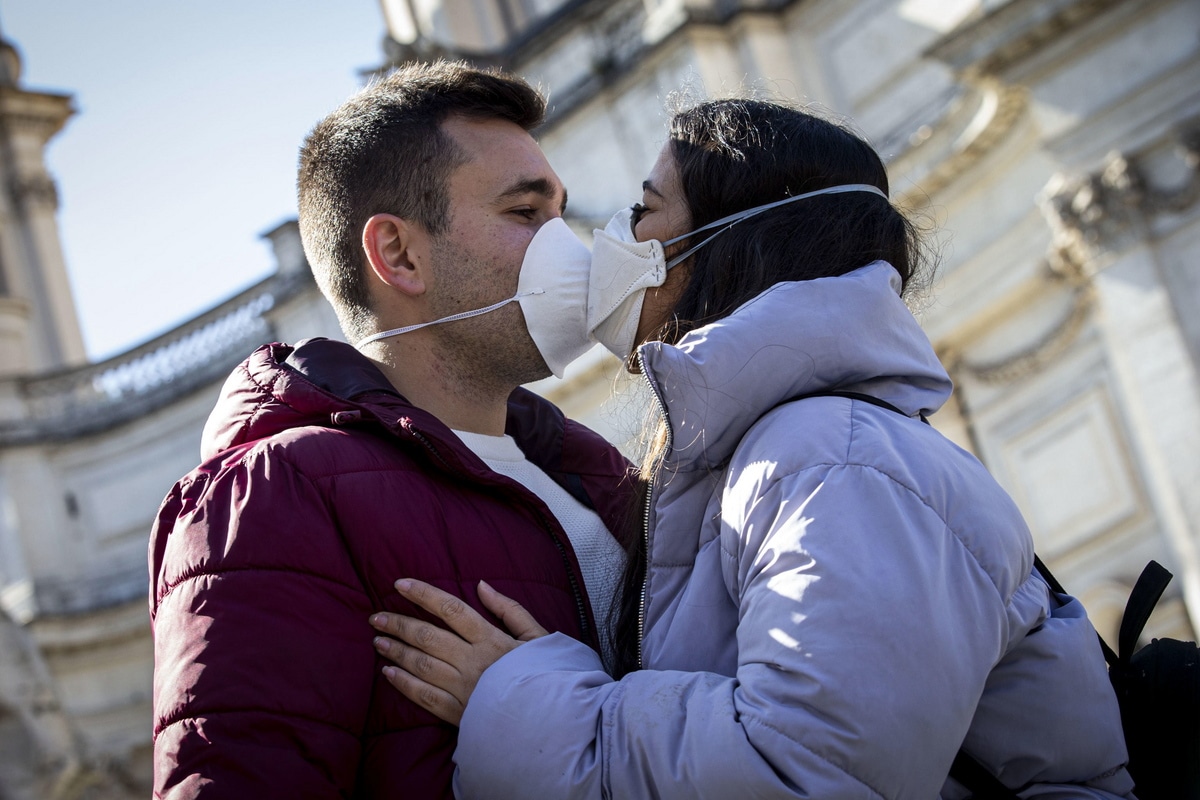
(552, 289)
(573, 299)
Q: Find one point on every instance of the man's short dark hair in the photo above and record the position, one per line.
(383, 151)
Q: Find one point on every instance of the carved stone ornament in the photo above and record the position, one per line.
(1037, 356)
(1091, 214)
(1000, 108)
(33, 191)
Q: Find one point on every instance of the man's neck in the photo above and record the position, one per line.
(461, 401)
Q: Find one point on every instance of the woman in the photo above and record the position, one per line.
(831, 598)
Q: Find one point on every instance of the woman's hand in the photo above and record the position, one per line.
(438, 669)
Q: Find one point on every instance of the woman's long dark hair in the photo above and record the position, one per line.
(733, 155)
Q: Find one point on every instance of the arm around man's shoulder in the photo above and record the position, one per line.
(263, 670)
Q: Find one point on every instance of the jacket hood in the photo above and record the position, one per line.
(852, 332)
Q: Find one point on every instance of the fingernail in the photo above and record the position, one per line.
(378, 620)
(391, 672)
(379, 642)
(486, 585)
(403, 585)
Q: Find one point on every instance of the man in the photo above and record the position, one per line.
(329, 473)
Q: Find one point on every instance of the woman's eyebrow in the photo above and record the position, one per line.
(647, 186)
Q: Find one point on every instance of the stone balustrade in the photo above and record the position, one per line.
(97, 397)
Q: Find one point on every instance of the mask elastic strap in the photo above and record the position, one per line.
(452, 318)
(737, 217)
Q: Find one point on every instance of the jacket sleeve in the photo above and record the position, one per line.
(263, 663)
(858, 671)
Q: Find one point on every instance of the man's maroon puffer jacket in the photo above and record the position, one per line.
(319, 487)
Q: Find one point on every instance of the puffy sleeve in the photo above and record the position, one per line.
(263, 665)
(851, 642)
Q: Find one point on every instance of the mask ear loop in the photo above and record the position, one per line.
(452, 318)
(737, 217)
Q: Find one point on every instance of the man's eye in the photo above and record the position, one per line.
(527, 213)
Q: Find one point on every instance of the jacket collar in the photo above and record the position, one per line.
(338, 368)
(327, 383)
(851, 332)
(534, 423)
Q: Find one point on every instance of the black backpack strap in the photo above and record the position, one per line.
(983, 784)
(1145, 595)
(1045, 572)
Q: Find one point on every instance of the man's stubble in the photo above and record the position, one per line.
(492, 352)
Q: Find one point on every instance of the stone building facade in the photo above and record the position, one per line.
(1054, 144)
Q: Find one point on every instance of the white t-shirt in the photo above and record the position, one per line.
(601, 558)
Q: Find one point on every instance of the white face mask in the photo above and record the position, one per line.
(552, 289)
(573, 299)
(622, 268)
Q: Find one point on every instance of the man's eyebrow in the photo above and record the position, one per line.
(540, 186)
(647, 186)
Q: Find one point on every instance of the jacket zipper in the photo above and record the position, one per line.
(580, 608)
(662, 407)
(420, 437)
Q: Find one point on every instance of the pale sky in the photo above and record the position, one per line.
(183, 150)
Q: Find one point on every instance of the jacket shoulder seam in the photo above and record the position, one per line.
(848, 462)
(283, 451)
(916, 495)
(269, 390)
(197, 572)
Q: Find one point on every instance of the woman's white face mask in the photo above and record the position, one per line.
(572, 298)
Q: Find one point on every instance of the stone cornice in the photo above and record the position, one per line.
(65, 632)
(546, 31)
(1002, 38)
(540, 33)
(620, 24)
(43, 113)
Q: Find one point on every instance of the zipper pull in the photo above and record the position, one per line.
(345, 417)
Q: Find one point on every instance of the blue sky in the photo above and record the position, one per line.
(183, 150)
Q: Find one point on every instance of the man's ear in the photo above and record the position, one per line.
(396, 253)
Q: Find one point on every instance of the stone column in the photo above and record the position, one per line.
(39, 329)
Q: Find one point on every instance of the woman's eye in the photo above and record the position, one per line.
(638, 210)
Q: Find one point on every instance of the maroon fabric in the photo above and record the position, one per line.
(320, 487)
